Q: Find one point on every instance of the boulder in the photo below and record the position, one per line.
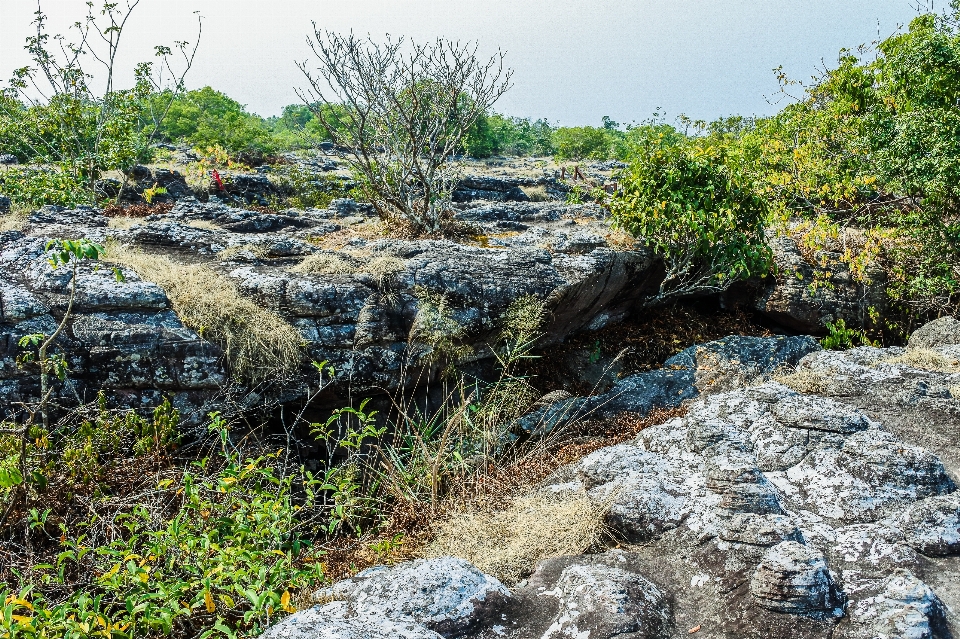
(807, 295)
(938, 333)
(445, 594)
(793, 578)
(932, 525)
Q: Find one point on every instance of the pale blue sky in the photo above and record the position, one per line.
(575, 60)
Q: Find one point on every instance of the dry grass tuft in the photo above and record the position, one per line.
(806, 381)
(384, 266)
(259, 344)
(509, 544)
(927, 360)
(231, 252)
(537, 193)
(205, 225)
(325, 264)
(123, 223)
(15, 221)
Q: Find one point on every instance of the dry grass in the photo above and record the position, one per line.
(231, 252)
(259, 344)
(806, 381)
(325, 264)
(15, 221)
(927, 360)
(383, 266)
(123, 223)
(509, 544)
(537, 193)
(483, 499)
(205, 225)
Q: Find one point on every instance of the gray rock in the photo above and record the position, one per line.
(599, 596)
(733, 474)
(806, 296)
(8, 159)
(793, 578)
(904, 608)
(932, 526)
(446, 595)
(316, 623)
(760, 530)
(5, 204)
(940, 332)
(604, 602)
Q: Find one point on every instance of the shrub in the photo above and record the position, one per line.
(402, 115)
(208, 118)
(706, 227)
(841, 337)
(33, 188)
(50, 112)
(583, 142)
(219, 549)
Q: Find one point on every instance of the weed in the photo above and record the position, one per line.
(840, 337)
(537, 193)
(325, 264)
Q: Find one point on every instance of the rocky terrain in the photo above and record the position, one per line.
(805, 493)
(352, 294)
(820, 503)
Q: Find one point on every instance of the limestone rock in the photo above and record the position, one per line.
(316, 623)
(806, 296)
(603, 601)
(932, 526)
(794, 578)
(446, 595)
(940, 332)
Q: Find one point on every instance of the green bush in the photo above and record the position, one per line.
(206, 117)
(707, 227)
(218, 549)
(583, 142)
(34, 188)
(841, 337)
(495, 134)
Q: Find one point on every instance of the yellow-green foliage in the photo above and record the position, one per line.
(259, 344)
(216, 550)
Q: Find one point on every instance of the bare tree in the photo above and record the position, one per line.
(398, 113)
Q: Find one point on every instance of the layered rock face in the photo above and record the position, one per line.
(122, 338)
(358, 315)
(822, 503)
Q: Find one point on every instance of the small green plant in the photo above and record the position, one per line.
(33, 188)
(576, 195)
(152, 192)
(221, 553)
(312, 190)
(840, 337)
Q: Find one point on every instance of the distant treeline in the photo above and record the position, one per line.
(207, 117)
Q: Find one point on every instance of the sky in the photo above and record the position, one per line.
(574, 61)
